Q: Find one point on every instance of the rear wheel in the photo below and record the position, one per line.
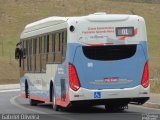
(26, 90)
(55, 107)
(33, 102)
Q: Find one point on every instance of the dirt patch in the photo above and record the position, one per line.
(9, 81)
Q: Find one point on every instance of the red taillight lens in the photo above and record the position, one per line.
(73, 78)
(145, 77)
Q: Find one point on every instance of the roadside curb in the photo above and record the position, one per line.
(152, 105)
(9, 86)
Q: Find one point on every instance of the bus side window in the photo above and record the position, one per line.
(53, 46)
(31, 49)
(64, 45)
(49, 49)
(61, 45)
(43, 54)
(47, 43)
(34, 54)
(23, 60)
(27, 54)
(37, 56)
(40, 53)
(57, 48)
(60, 40)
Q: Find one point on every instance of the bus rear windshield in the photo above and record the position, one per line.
(108, 53)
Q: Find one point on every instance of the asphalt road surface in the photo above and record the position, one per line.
(11, 103)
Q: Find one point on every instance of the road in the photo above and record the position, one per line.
(10, 102)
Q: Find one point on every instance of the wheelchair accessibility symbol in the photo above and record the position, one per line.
(97, 94)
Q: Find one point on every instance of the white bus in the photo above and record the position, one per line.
(98, 59)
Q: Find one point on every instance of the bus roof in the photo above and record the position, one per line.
(55, 20)
(100, 16)
(50, 22)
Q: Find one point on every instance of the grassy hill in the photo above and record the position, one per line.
(140, 1)
(15, 14)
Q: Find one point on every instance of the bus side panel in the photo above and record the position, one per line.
(62, 78)
(61, 85)
(145, 48)
(35, 89)
(22, 87)
(60, 82)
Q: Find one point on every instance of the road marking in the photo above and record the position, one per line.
(9, 86)
(13, 102)
(11, 90)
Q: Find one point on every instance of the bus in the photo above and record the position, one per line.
(97, 59)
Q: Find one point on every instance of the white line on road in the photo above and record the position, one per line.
(9, 86)
(13, 102)
(10, 90)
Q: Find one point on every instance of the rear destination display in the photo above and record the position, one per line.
(125, 31)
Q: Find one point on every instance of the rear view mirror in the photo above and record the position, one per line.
(17, 53)
(23, 53)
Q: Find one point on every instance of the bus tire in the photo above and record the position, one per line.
(33, 102)
(55, 107)
(26, 90)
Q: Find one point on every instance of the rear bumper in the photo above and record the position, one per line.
(132, 94)
(117, 101)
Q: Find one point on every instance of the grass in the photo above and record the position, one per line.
(15, 14)
(155, 86)
(140, 1)
(8, 71)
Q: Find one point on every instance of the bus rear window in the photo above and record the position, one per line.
(108, 53)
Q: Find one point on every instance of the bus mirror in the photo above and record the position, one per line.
(17, 53)
(23, 53)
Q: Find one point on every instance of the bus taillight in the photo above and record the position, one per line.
(73, 78)
(145, 77)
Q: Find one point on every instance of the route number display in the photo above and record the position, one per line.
(124, 31)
